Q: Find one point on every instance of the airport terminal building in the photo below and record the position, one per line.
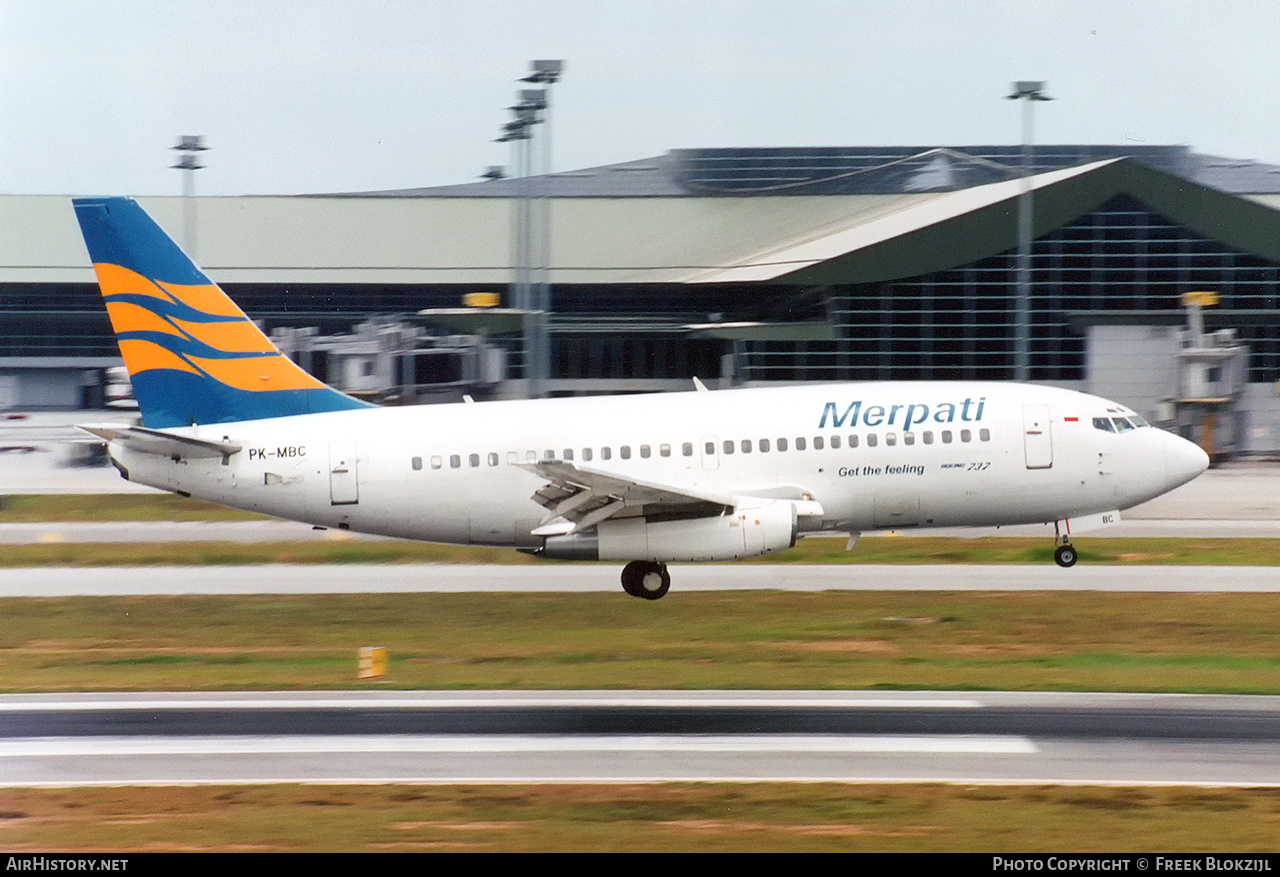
(737, 266)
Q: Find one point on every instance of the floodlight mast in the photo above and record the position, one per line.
(188, 148)
(1029, 92)
(531, 232)
(545, 73)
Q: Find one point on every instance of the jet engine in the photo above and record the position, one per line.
(744, 532)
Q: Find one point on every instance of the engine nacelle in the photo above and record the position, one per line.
(745, 532)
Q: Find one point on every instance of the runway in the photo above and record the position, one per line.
(582, 578)
(640, 737)
(629, 737)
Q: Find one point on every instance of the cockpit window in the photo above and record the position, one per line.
(1137, 421)
(1122, 425)
(1103, 424)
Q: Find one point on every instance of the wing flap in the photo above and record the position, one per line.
(584, 497)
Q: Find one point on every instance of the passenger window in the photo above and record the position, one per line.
(871, 439)
(664, 450)
(625, 452)
(728, 446)
(946, 436)
(818, 443)
(764, 446)
(782, 444)
(436, 462)
(965, 435)
(606, 453)
(835, 442)
(800, 445)
(890, 438)
(474, 460)
(644, 451)
(586, 455)
(417, 464)
(568, 454)
(548, 455)
(493, 459)
(984, 435)
(710, 449)
(853, 441)
(928, 437)
(687, 449)
(746, 446)
(455, 462)
(512, 458)
(908, 438)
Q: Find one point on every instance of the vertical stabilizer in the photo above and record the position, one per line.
(192, 354)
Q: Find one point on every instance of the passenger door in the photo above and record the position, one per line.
(1036, 436)
(344, 477)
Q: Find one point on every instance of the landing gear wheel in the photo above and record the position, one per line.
(646, 579)
(1065, 556)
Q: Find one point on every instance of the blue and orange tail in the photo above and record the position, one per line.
(192, 355)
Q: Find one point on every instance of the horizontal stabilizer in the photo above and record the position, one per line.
(151, 441)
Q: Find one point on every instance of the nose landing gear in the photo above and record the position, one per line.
(1065, 554)
(646, 579)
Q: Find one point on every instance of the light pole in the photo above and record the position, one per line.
(1028, 92)
(519, 131)
(189, 148)
(545, 73)
(531, 231)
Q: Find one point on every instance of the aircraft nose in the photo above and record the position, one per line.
(1183, 460)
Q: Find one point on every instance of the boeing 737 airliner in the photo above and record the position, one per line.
(696, 476)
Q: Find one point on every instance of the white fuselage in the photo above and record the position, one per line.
(872, 456)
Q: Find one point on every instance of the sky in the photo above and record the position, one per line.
(307, 96)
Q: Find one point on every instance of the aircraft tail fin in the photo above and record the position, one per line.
(192, 354)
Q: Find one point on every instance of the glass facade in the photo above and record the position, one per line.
(958, 324)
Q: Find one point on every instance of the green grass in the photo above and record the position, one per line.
(886, 549)
(62, 508)
(1083, 641)
(711, 817)
(97, 554)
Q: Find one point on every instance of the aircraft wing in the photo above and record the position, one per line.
(577, 497)
(151, 441)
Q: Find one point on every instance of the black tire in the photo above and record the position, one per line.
(631, 577)
(1065, 556)
(646, 580)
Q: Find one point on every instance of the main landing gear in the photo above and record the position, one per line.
(1065, 554)
(646, 579)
